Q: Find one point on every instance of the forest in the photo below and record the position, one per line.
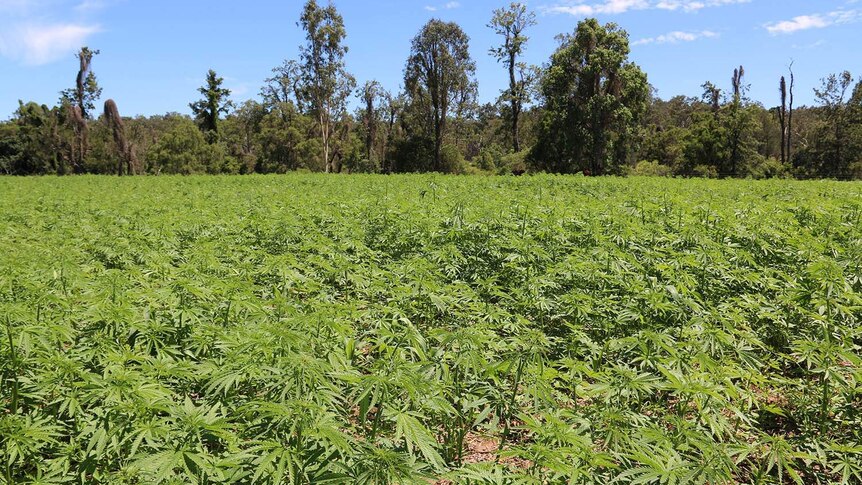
(589, 109)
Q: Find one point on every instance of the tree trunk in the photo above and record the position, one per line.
(782, 119)
(516, 102)
(790, 118)
(438, 142)
(324, 135)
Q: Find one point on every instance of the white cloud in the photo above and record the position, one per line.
(676, 37)
(41, 44)
(36, 32)
(580, 8)
(694, 5)
(608, 7)
(447, 6)
(814, 21)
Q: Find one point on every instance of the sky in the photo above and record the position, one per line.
(155, 53)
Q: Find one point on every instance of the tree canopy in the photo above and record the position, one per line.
(595, 99)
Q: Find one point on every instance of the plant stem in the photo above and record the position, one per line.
(13, 357)
(506, 425)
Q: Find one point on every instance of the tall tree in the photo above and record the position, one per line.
(126, 155)
(439, 77)
(832, 97)
(789, 140)
(326, 82)
(782, 118)
(285, 86)
(214, 103)
(371, 95)
(595, 99)
(86, 91)
(737, 120)
(393, 108)
(712, 96)
(78, 102)
(510, 23)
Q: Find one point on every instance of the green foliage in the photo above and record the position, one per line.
(489, 158)
(513, 163)
(836, 142)
(595, 100)
(405, 329)
(86, 91)
(282, 140)
(510, 23)
(325, 82)
(185, 150)
(439, 79)
(653, 168)
(214, 104)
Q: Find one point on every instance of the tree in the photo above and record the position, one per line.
(832, 149)
(125, 151)
(594, 101)
(393, 108)
(86, 91)
(326, 82)
(738, 120)
(285, 86)
(214, 103)
(283, 140)
(439, 77)
(35, 144)
(510, 23)
(239, 132)
(789, 140)
(371, 95)
(183, 149)
(782, 118)
(77, 104)
(10, 147)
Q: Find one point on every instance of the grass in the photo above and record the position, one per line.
(429, 329)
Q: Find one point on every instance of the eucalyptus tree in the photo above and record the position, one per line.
(285, 86)
(214, 103)
(326, 84)
(594, 98)
(834, 97)
(393, 111)
(372, 95)
(439, 78)
(510, 23)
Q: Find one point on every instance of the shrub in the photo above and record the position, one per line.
(652, 168)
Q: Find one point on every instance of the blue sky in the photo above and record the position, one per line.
(154, 54)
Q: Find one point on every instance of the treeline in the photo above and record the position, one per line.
(588, 110)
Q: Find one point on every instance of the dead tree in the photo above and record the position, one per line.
(790, 115)
(737, 114)
(124, 148)
(782, 118)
